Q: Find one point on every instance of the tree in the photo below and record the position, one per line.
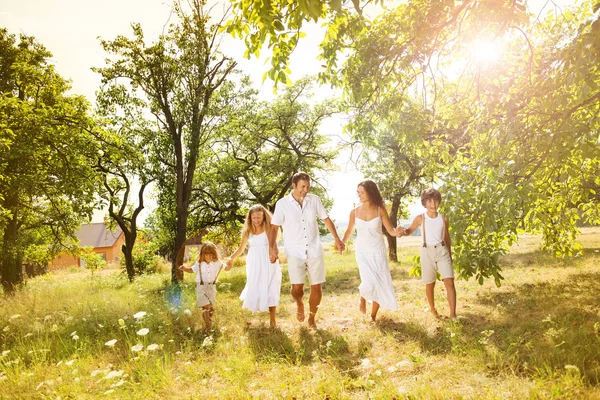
(176, 79)
(47, 186)
(124, 163)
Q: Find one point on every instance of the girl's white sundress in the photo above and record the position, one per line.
(371, 256)
(263, 279)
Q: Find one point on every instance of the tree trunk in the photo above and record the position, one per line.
(11, 270)
(392, 242)
(128, 254)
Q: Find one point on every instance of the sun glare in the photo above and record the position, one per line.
(485, 51)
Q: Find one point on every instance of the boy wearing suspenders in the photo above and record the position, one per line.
(436, 251)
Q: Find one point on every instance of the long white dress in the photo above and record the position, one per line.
(371, 256)
(263, 279)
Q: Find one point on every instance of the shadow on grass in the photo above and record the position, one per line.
(537, 258)
(543, 326)
(403, 332)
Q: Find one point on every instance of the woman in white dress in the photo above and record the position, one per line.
(263, 278)
(371, 254)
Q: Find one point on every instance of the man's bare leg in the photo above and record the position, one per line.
(429, 291)
(316, 293)
(297, 294)
(451, 293)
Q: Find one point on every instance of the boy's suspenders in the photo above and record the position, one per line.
(443, 232)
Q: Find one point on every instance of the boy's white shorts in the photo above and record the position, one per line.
(432, 258)
(298, 268)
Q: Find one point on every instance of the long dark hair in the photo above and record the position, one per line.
(373, 192)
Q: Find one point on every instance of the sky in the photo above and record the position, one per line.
(70, 30)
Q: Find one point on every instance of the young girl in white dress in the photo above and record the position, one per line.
(263, 278)
(371, 254)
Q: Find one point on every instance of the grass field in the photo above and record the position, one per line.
(68, 335)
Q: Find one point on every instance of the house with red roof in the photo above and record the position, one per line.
(104, 242)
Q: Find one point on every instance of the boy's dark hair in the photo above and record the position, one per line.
(373, 192)
(430, 194)
(300, 176)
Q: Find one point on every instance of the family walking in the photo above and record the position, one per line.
(297, 214)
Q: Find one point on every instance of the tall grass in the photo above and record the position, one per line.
(69, 335)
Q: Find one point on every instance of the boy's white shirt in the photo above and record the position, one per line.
(209, 270)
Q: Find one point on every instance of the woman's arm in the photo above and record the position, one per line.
(385, 218)
(350, 227)
(236, 254)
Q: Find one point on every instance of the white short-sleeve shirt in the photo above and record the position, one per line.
(209, 271)
(300, 228)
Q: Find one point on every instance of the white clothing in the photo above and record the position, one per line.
(206, 294)
(434, 229)
(298, 268)
(263, 279)
(371, 257)
(206, 272)
(300, 229)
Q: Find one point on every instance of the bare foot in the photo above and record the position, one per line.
(300, 312)
(362, 305)
(311, 321)
(435, 314)
(273, 323)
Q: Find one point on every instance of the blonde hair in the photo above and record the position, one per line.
(208, 248)
(249, 227)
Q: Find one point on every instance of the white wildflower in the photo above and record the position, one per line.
(121, 382)
(392, 369)
(69, 363)
(5, 353)
(187, 312)
(114, 374)
(152, 347)
(15, 316)
(208, 341)
(111, 343)
(139, 315)
(75, 337)
(143, 332)
(137, 347)
(365, 363)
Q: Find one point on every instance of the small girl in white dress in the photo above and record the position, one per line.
(263, 278)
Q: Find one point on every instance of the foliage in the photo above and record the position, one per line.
(280, 22)
(92, 260)
(175, 81)
(47, 186)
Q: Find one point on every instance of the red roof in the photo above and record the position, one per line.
(96, 235)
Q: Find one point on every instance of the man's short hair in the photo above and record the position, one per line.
(430, 194)
(300, 176)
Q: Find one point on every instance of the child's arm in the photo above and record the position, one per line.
(350, 227)
(240, 250)
(448, 242)
(416, 222)
(186, 269)
(385, 218)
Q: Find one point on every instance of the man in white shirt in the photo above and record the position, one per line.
(297, 213)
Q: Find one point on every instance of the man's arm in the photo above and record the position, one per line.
(338, 243)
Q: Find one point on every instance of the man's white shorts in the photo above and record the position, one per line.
(433, 257)
(298, 268)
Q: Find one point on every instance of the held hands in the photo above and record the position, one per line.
(273, 255)
(228, 264)
(400, 231)
(339, 246)
(182, 267)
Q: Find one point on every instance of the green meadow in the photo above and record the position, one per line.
(72, 335)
